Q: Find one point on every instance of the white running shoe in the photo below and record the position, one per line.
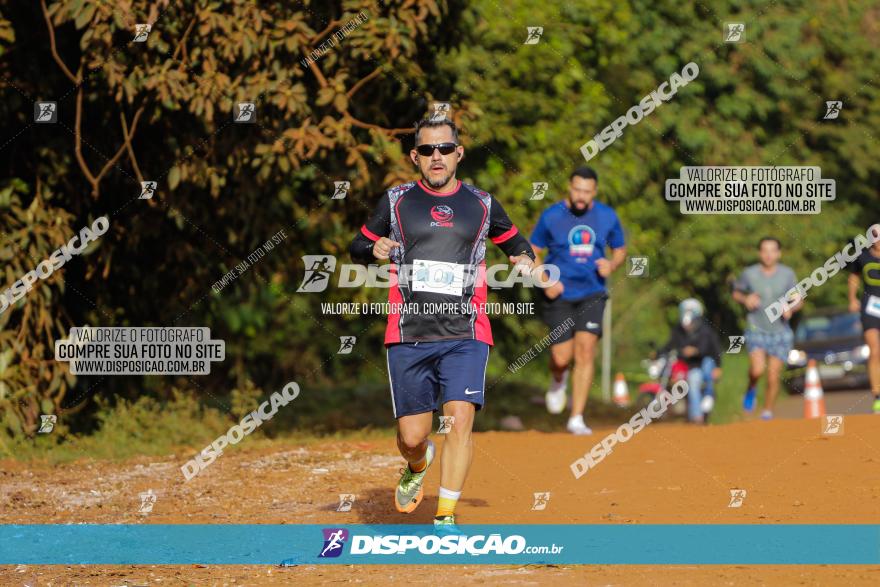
(555, 398)
(577, 426)
(707, 403)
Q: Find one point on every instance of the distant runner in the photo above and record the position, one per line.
(576, 231)
(866, 269)
(768, 343)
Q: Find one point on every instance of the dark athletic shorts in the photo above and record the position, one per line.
(869, 320)
(586, 313)
(421, 373)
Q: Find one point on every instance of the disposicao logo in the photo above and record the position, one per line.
(430, 544)
(334, 540)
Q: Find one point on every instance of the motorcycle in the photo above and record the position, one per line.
(664, 371)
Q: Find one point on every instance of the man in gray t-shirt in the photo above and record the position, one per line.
(768, 342)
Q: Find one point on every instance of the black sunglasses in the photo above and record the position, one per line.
(428, 150)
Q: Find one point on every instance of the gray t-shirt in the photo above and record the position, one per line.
(770, 288)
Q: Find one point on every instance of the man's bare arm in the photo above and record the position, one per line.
(852, 283)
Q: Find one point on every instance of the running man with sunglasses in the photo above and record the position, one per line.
(434, 232)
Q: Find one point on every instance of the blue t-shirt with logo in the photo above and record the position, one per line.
(575, 243)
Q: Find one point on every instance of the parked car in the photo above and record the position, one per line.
(833, 337)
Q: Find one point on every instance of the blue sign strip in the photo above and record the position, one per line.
(228, 544)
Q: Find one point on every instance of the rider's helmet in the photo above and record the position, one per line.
(688, 311)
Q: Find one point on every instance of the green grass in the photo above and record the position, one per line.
(534, 378)
(148, 427)
(730, 388)
(144, 427)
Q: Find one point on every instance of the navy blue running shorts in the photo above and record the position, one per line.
(421, 373)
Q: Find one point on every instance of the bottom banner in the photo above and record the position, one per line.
(223, 544)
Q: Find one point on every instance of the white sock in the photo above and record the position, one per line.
(561, 384)
(447, 502)
(449, 494)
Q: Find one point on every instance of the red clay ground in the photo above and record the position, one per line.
(667, 474)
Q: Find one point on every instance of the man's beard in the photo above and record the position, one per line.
(436, 184)
(575, 210)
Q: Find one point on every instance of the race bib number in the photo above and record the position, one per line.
(873, 306)
(438, 277)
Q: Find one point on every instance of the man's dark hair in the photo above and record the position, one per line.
(769, 238)
(585, 172)
(431, 123)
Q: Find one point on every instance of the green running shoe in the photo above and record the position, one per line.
(877, 406)
(409, 493)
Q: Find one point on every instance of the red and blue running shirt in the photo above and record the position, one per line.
(442, 249)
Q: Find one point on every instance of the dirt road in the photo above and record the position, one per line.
(667, 474)
(836, 402)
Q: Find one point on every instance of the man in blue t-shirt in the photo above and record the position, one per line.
(575, 232)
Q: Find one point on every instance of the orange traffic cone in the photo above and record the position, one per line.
(621, 393)
(814, 396)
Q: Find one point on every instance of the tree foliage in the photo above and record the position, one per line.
(162, 110)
